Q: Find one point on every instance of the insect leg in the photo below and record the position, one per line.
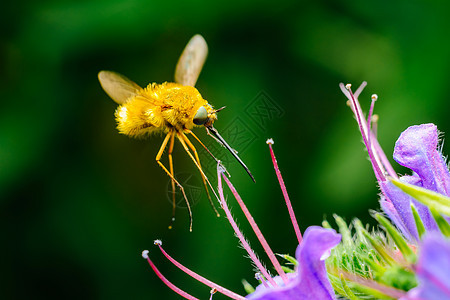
(172, 140)
(207, 150)
(158, 158)
(184, 140)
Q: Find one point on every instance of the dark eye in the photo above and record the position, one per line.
(201, 116)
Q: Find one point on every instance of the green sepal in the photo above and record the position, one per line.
(326, 225)
(377, 246)
(348, 293)
(289, 258)
(441, 222)
(399, 278)
(431, 199)
(398, 239)
(363, 247)
(377, 270)
(357, 267)
(287, 269)
(249, 289)
(375, 256)
(376, 294)
(419, 225)
(358, 226)
(344, 231)
(345, 261)
(336, 284)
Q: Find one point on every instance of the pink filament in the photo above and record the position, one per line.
(203, 280)
(378, 158)
(285, 195)
(360, 89)
(238, 232)
(365, 135)
(373, 142)
(389, 169)
(258, 232)
(169, 284)
(369, 119)
(213, 291)
(259, 277)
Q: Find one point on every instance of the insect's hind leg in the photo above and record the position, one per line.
(158, 158)
(184, 140)
(169, 153)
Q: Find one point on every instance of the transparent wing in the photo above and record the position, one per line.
(117, 86)
(191, 61)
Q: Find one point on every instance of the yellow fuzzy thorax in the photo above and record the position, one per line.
(160, 107)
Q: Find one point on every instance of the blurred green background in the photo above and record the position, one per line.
(79, 202)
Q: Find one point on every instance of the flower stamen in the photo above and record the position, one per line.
(256, 229)
(369, 116)
(202, 279)
(298, 233)
(374, 121)
(213, 291)
(365, 131)
(239, 234)
(380, 163)
(261, 279)
(164, 279)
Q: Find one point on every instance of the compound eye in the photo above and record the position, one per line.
(201, 116)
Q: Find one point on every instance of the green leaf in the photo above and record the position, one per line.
(431, 199)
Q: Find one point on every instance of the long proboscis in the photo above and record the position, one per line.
(219, 138)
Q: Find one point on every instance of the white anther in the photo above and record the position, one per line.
(270, 141)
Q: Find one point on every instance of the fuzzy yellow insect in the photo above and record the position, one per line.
(172, 108)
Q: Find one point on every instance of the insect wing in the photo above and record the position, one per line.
(191, 61)
(117, 86)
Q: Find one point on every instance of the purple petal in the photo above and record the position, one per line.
(417, 149)
(310, 281)
(404, 218)
(390, 210)
(433, 269)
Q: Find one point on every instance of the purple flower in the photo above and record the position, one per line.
(309, 281)
(432, 269)
(417, 149)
